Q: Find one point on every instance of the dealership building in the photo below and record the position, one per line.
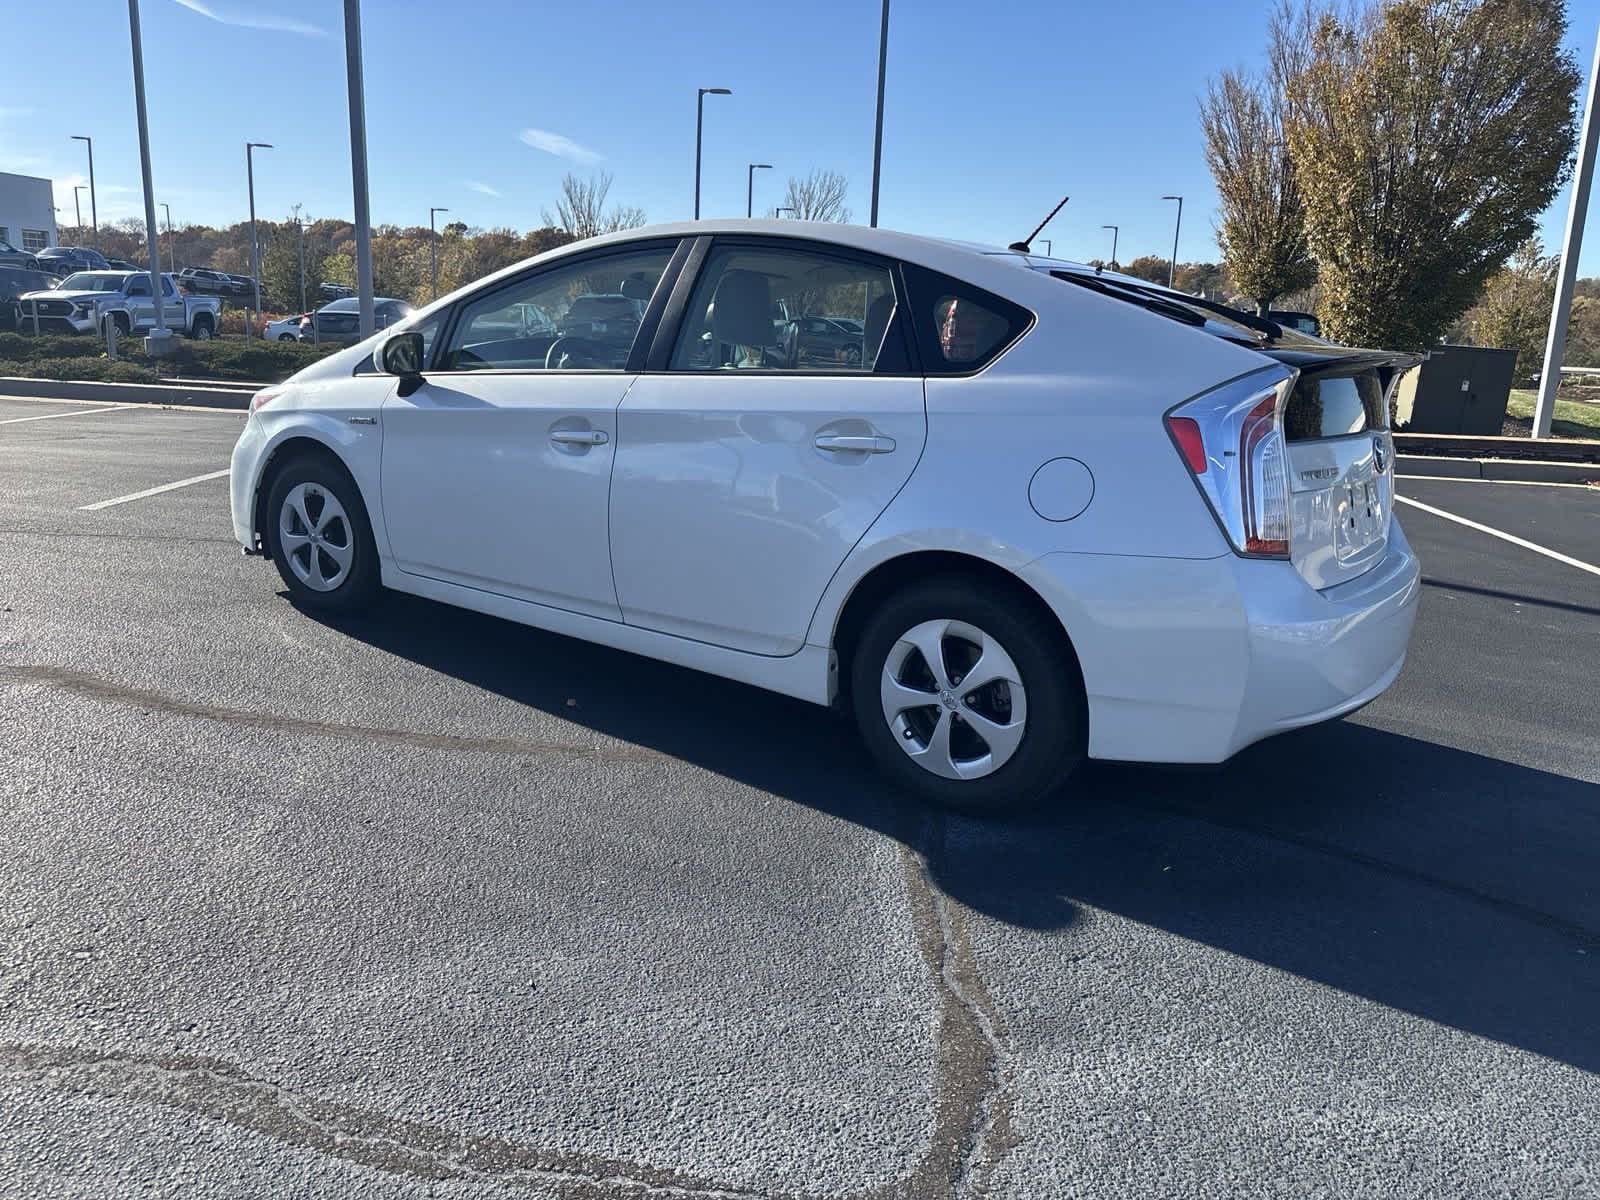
(27, 212)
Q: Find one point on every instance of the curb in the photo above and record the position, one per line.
(214, 393)
(1515, 470)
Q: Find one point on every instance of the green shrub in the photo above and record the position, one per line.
(62, 356)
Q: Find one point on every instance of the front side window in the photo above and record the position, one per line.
(785, 310)
(579, 316)
(140, 286)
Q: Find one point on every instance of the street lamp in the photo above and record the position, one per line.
(778, 212)
(433, 249)
(1115, 230)
(172, 245)
(699, 136)
(77, 206)
(1172, 269)
(159, 343)
(300, 235)
(750, 186)
(877, 136)
(94, 214)
(255, 247)
(358, 163)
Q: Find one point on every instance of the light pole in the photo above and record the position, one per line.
(1115, 230)
(877, 136)
(433, 249)
(358, 162)
(300, 234)
(1172, 267)
(699, 136)
(160, 341)
(172, 244)
(1049, 248)
(77, 205)
(750, 186)
(94, 213)
(255, 247)
(778, 213)
(1555, 344)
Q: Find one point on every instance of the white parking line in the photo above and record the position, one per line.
(1503, 536)
(77, 412)
(155, 491)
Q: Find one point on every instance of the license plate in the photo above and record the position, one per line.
(1363, 520)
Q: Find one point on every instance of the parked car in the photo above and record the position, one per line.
(242, 286)
(122, 264)
(1053, 514)
(288, 329)
(1289, 318)
(64, 260)
(335, 291)
(340, 321)
(10, 256)
(16, 282)
(204, 281)
(89, 300)
(812, 339)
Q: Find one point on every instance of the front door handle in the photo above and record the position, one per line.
(580, 437)
(839, 443)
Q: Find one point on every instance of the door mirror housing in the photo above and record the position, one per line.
(402, 354)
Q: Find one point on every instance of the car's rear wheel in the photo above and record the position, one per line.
(320, 537)
(287, 337)
(967, 695)
(202, 330)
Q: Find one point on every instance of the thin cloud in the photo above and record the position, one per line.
(7, 112)
(559, 145)
(249, 21)
(482, 188)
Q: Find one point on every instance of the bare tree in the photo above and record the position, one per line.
(818, 197)
(581, 211)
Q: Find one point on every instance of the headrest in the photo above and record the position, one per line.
(741, 310)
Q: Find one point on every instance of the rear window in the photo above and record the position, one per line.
(1329, 406)
(960, 328)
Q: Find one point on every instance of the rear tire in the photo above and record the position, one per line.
(1004, 744)
(320, 537)
(202, 331)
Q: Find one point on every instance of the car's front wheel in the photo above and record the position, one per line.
(320, 537)
(967, 695)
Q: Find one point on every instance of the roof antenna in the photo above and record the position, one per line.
(1025, 246)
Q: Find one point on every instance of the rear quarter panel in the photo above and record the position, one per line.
(1091, 381)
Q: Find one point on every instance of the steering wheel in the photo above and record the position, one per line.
(569, 344)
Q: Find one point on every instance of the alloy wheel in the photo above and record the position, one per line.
(315, 536)
(953, 699)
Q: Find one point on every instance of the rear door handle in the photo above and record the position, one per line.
(838, 443)
(580, 437)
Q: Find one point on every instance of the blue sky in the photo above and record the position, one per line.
(994, 110)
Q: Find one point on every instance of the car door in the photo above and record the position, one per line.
(744, 476)
(141, 306)
(172, 305)
(496, 471)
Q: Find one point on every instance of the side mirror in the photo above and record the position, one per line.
(401, 354)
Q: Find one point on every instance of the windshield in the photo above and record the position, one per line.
(93, 281)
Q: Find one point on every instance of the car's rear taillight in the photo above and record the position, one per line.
(264, 397)
(1231, 439)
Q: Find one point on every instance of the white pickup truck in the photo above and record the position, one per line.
(85, 301)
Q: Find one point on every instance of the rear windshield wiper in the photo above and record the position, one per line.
(1120, 291)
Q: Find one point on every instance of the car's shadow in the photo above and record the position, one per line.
(1460, 888)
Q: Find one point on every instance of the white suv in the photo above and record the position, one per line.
(1039, 513)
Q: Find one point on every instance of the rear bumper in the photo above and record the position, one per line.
(1191, 660)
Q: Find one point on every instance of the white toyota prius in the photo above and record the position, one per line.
(1011, 511)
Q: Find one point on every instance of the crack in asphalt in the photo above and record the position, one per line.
(973, 1089)
(92, 687)
(973, 1099)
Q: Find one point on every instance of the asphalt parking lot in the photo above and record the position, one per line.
(434, 905)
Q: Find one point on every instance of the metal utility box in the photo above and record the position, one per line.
(1457, 389)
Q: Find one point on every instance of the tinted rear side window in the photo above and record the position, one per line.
(1328, 406)
(960, 328)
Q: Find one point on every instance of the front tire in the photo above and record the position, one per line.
(320, 537)
(967, 695)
